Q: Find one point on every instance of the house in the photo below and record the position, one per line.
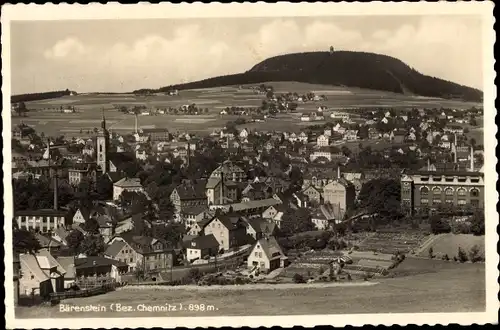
(100, 266)
(398, 136)
(323, 217)
(33, 281)
(150, 254)
(266, 255)
(322, 141)
(105, 227)
(341, 194)
(228, 230)
(314, 194)
(303, 137)
(189, 193)
(79, 171)
(351, 135)
(44, 220)
(126, 184)
(201, 247)
(59, 235)
(68, 264)
(81, 216)
(244, 133)
(193, 214)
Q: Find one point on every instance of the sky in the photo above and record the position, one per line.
(124, 55)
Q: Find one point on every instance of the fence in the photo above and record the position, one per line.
(89, 282)
(57, 296)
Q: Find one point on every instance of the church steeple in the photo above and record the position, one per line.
(103, 122)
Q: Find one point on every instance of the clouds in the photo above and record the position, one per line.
(64, 48)
(449, 48)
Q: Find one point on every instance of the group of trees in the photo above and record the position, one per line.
(38, 96)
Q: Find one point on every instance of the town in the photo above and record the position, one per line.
(348, 198)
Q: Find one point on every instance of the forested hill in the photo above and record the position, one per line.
(38, 96)
(343, 68)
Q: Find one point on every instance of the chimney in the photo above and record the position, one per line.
(338, 172)
(188, 154)
(428, 164)
(222, 187)
(136, 126)
(455, 159)
(471, 158)
(55, 191)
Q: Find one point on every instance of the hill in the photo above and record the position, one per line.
(39, 96)
(342, 68)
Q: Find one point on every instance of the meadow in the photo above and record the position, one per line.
(421, 286)
(44, 117)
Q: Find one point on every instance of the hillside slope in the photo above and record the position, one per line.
(352, 69)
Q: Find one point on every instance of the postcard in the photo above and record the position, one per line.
(249, 164)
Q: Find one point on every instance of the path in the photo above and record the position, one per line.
(258, 286)
(427, 243)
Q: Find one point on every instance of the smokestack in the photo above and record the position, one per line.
(428, 164)
(455, 159)
(136, 125)
(55, 191)
(188, 154)
(222, 187)
(338, 172)
(471, 158)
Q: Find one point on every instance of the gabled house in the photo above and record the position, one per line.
(323, 217)
(201, 247)
(228, 230)
(126, 184)
(188, 194)
(266, 255)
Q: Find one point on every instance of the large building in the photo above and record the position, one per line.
(102, 142)
(45, 220)
(430, 189)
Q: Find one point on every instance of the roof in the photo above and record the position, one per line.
(41, 212)
(203, 242)
(324, 212)
(114, 176)
(115, 248)
(230, 221)
(271, 248)
(52, 262)
(85, 212)
(68, 263)
(31, 262)
(195, 210)
(154, 130)
(193, 189)
(141, 244)
(450, 173)
(255, 204)
(104, 221)
(46, 241)
(257, 224)
(129, 183)
(89, 262)
(212, 183)
(61, 232)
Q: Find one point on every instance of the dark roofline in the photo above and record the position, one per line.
(446, 173)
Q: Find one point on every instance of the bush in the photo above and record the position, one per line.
(297, 278)
(439, 226)
(475, 254)
(446, 257)
(462, 256)
(194, 274)
(321, 270)
(431, 253)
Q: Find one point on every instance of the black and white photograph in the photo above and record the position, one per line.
(247, 164)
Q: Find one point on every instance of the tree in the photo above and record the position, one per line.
(438, 225)
(104, 188)
(431, 252)
(74, 240)
(24, 241)
(477, 223)
(475, 254)
(92, 226)
(92, 245)
(296, 221)
(462, 256)
(382, 196)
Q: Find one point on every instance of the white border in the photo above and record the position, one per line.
(145, 10)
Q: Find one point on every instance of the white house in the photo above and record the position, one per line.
(323, 141)
(266, 255)
(126, 184)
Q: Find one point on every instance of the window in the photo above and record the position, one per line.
(131, 259)
(461, 192)
(424, 191)
(474, 193)
(256, 254)
(424, 201)
(448, 192)
(474, 203)
(461, 202)
(260, 254)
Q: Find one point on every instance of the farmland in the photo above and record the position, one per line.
(44, 115)
(463, 290)
(449, 244)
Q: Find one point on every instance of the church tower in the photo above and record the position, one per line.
(103, 146)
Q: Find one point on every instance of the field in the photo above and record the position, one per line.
(449, 243)
(429, 286)
(44, 116)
